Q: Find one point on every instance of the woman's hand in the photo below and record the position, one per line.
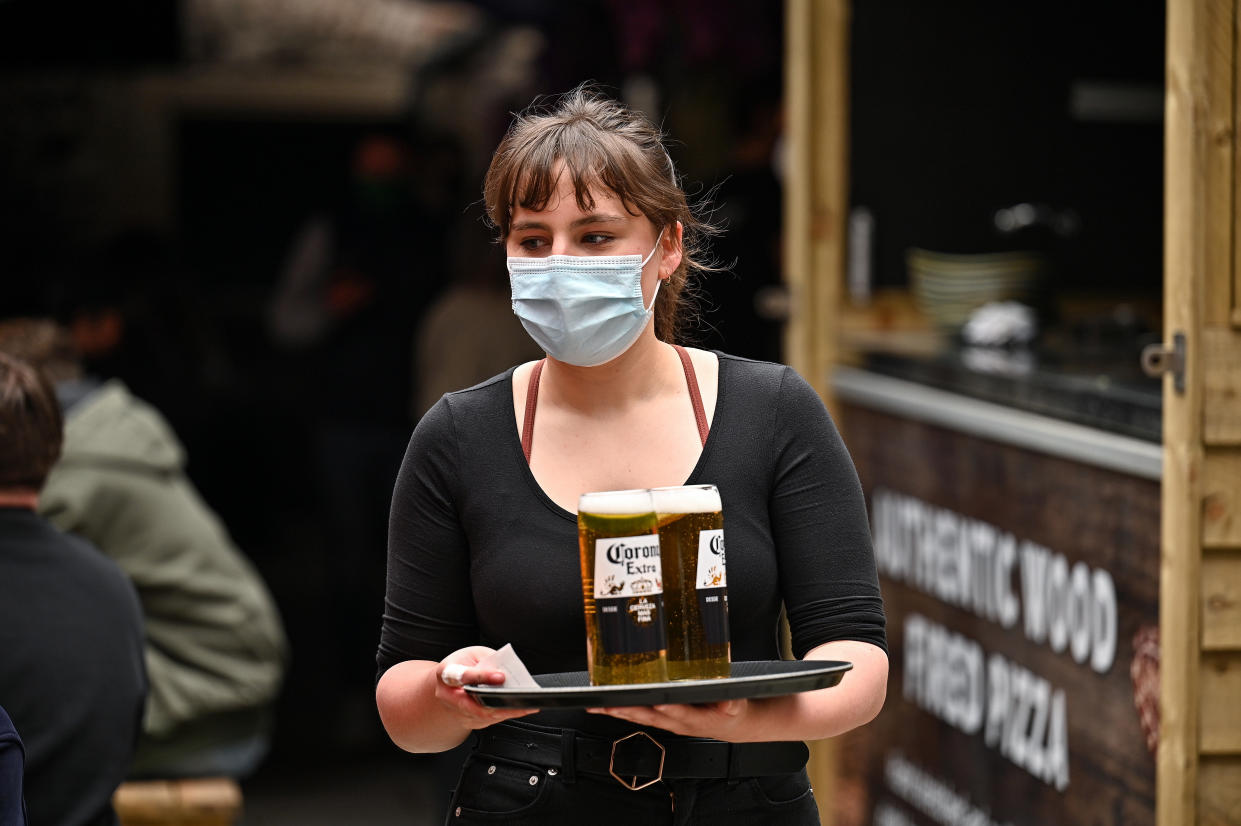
(425, 709)
(727, 720)
(460, 668)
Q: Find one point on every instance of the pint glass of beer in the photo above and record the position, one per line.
(622, 587)
(691, 541)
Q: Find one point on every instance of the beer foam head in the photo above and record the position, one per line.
(687, 499)
(616, 502)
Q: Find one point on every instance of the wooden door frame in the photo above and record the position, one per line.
(1199, 759)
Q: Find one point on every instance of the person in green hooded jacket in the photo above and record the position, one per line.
(215, 645)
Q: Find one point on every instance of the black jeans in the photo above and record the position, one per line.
(495, 790)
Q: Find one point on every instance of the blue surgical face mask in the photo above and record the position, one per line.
(582, 309)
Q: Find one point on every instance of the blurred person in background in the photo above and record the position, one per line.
(469, 333)
(135, 313)
(346, 263)
(355, 282)
(71, 664)
(749, 204)
(215, 647)
(12, 767)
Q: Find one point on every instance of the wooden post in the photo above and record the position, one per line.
(1178, 602)
(815, 205)
(798, 83)
(816, 199)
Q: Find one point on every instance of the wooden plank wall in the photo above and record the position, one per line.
(1199, 778)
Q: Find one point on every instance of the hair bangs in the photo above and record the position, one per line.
(590, 157)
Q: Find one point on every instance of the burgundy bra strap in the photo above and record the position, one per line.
(532, 401)
(700, 413)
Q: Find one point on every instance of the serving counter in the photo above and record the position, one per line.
(1019, 562)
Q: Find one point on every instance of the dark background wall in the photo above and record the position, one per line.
(961, 109)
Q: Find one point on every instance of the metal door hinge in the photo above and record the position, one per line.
(1158, 359)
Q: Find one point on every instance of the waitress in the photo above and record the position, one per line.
(601, 243)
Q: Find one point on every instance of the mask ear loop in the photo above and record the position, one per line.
(659, 282)
(654, 296)
(672, 175)
(652, 252)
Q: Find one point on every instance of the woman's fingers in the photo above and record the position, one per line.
(457, 674)
(460, 669)
(453, 674)
(481, 716)
(466, 706)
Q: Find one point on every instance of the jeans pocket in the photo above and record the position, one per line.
(782, 789)
(496, 789)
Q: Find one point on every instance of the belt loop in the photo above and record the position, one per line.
(568, 755)
(734, 758)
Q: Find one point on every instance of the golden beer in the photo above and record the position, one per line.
(691, 541)
(622, 587)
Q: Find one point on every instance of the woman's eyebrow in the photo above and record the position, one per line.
(597, 218)
(524, 225)
(593, 218)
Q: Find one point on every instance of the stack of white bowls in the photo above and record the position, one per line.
(948, 287)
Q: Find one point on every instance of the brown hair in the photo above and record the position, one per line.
(601, 143)
(31, 427)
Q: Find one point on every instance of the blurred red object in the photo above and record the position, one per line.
(380, 157)
(1144, 671)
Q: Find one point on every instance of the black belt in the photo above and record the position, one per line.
(640, 755)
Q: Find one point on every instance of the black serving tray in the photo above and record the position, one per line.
(758, 678)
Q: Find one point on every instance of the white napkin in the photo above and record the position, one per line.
(515, 673)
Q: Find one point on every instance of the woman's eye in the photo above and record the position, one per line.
(530, 243)
(596, 238)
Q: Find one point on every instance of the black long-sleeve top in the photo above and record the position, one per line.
(479, 554)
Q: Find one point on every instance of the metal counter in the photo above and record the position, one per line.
(1007, 425)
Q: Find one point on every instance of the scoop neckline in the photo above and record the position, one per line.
(516, 451)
